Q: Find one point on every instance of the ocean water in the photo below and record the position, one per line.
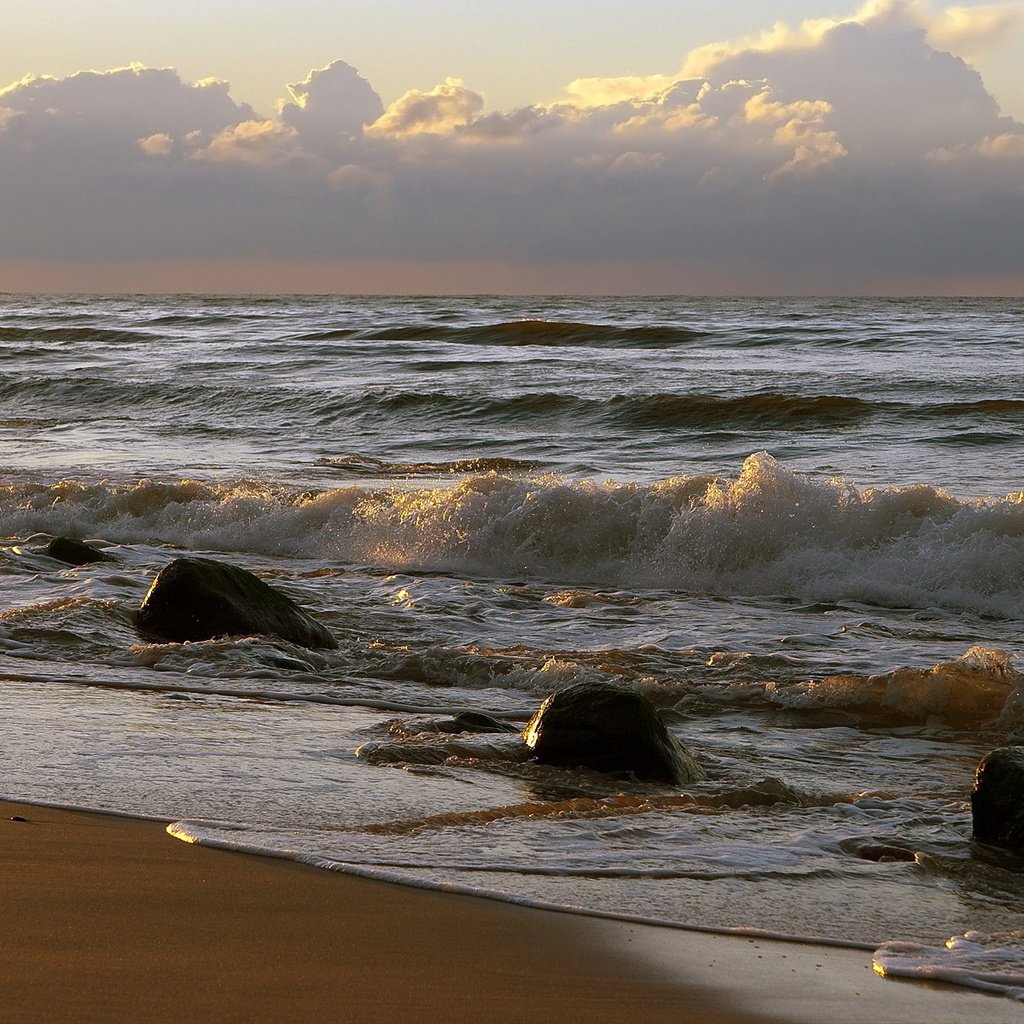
(796, 525)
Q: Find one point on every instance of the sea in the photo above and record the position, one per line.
(796, 525)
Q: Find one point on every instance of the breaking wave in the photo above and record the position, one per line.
(768, 532)
(982, 684)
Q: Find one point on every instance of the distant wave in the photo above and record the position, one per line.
(694, 409)
(196, 319)
(982, 407)
(72, 335)
(83, 397)
(764, 409)
(770, 531)
(520, 332)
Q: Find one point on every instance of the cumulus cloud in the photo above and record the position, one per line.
(255, 142)
(856, 144)
(972, 30)
(602, 92)
(121, 105)
(892, 93)
(331, 105)
(446, 106)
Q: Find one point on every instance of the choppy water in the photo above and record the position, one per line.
(798, 525)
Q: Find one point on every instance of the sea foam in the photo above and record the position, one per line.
(768, 532)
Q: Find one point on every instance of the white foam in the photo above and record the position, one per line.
(770, 531)
(988, 963)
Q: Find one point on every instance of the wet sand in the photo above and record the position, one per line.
(109, 919)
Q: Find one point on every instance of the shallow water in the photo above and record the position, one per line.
(797, 525)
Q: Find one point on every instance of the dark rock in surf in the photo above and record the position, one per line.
(199, 599)
(608, 728)
(997, 801)
(475, 721)
(884, 853)
(75, 552)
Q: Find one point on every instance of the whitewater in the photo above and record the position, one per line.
(796, 525)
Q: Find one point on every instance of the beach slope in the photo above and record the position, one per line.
(108, 919)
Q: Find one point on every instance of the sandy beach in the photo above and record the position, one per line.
(110, 919)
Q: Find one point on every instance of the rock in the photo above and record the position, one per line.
(475, 721)
(883, 853)
(608, 728)
(997, 801)
(75, 552)
(198, 599)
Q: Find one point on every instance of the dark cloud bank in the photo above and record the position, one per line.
(854, 152)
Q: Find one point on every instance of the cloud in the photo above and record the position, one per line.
(447, 106)
(853, 150)
(118, 106)
(331, 105)
(972, 30)
(602, 92)
(253, 142)
(893, 95)
(962, 30)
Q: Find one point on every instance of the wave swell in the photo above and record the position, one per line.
(520, 332)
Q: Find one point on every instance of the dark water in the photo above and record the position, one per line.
(798, 525)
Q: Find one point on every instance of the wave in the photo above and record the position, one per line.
(981, 684)
(72, 335)
(766, 409)
(87, 395)
(986, 963)
(643, 412)
(102, 394)
(520, 332)
(768, 532)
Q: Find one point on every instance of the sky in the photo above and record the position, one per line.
(674, 146)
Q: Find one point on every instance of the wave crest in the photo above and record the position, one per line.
(978, 684)
(769, 531)
(520, 332)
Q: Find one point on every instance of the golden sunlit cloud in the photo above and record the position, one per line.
(447, 106)
(968, 31)
(603, 92)
(963, 30)
(254, 142)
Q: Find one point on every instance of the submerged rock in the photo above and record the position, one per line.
(608, 728)
(884, 853)
(475, 721)
(997, 801)
(199, 599)
(75, 552)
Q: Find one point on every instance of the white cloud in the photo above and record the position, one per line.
(447, 106)
(124, 104)
(253, 142)
(853, 143)
(892, 94)
(1009, 145)
(972, 30)
(603, 92)
(331, 105)
(157, 144)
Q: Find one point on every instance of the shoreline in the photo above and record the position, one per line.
(110, 919)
